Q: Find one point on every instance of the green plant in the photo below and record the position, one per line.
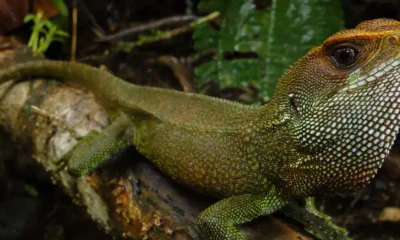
(44, 32)
(257, 40)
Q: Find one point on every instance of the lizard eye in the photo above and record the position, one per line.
(344, 56)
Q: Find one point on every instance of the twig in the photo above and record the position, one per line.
(197, 57)
(54, 119)
(74, 29)
(98, 30)
(145, 27)
(189, 6)
(127, 46)
(180, 70)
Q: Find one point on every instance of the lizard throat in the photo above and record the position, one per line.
(349, 136)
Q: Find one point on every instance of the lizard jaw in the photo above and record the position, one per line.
(352, 133)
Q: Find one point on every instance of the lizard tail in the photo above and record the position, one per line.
(113, 92)
(105, 86)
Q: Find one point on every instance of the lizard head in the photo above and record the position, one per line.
(343, 99)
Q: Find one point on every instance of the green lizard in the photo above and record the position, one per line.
(327, 129)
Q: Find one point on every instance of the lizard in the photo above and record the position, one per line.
(327, 129)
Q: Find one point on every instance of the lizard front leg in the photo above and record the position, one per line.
(97, 148)
(218, 221)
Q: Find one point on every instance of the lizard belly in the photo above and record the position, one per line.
(214, 163)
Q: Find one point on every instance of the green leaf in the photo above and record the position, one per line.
(31, 190)
(48, 24)
(44, 32)
(243, 29)
(29, 17)
(61, 6)
(62, 33)
(295, 27)
(237, 72)
(256, 44)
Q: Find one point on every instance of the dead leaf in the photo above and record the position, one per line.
(390, 214)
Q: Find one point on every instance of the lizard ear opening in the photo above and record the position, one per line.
(294, 103)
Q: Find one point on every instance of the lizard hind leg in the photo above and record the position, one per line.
(218, 221)
(97, 148)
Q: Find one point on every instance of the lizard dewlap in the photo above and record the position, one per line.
(327, 129)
